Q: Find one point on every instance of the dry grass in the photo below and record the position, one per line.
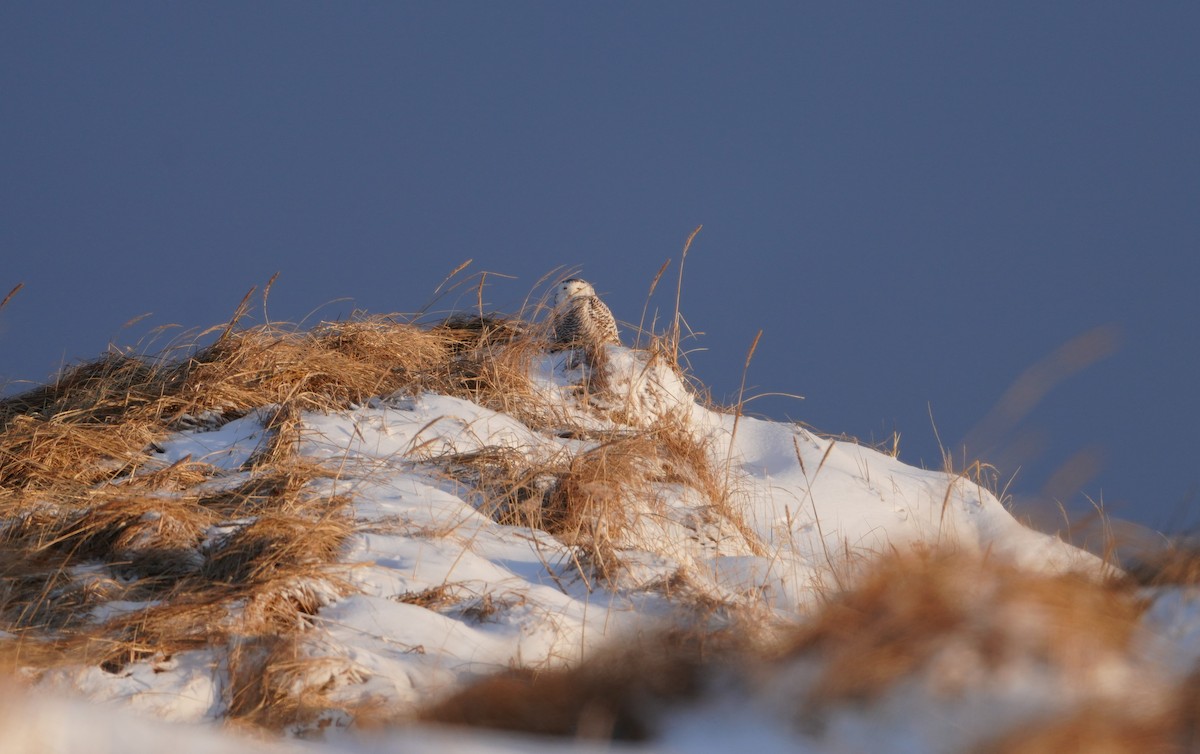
(278, 684)
(941, 624)
(106, 388)
(490, 366)
(597, 501)
(1172, 725)
(618, 695)
(211, 558)
(591, 506)
(238, 561)
(331, 367)
(40, 453)
(91, 516)
(899, 618)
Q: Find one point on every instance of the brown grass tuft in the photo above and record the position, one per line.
(473, 332)
(332, 368)
(277, 685)
(599, 499)
(493, 372)
(94, 392)
(592, 507)
(88, 517)
(615, 696)
(185, 619)
(278, 542)
(148, 536)
(899, 618)
(38, 453)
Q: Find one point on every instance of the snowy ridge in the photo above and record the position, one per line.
(441, 591)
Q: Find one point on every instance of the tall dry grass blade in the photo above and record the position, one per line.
(557, 273)
(11, 293)
(1033, 384)
(650, 294)
(675, 327)
(131, 322)
(238, 313)
(266, 294)
(833, 567)
(737, 414)
(437, 292)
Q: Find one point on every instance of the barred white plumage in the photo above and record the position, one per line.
(581, 319)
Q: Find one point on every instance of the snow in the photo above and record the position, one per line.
(228, 447)
(811, 505)
(184, 688)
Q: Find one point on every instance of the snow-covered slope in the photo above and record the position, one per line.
(435, 590)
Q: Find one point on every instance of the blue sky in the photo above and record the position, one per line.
(917, 203)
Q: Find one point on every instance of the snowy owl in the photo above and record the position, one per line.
(580, 319)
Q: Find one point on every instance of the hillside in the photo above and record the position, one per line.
(364, 531)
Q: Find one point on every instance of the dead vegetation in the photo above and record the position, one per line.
(942, 626)
(237, 560)
(204, 557)
(898, 621)
(600, 499)
(606, 499)
(240, 560)
(619, 695)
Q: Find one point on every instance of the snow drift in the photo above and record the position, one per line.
(329, 534)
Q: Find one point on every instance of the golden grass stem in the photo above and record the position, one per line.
(11, 293)
(649, 295)
(675, 327)
(266, 294)
(238, 313)
(737, 414)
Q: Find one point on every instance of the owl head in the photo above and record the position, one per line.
(572, 288)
